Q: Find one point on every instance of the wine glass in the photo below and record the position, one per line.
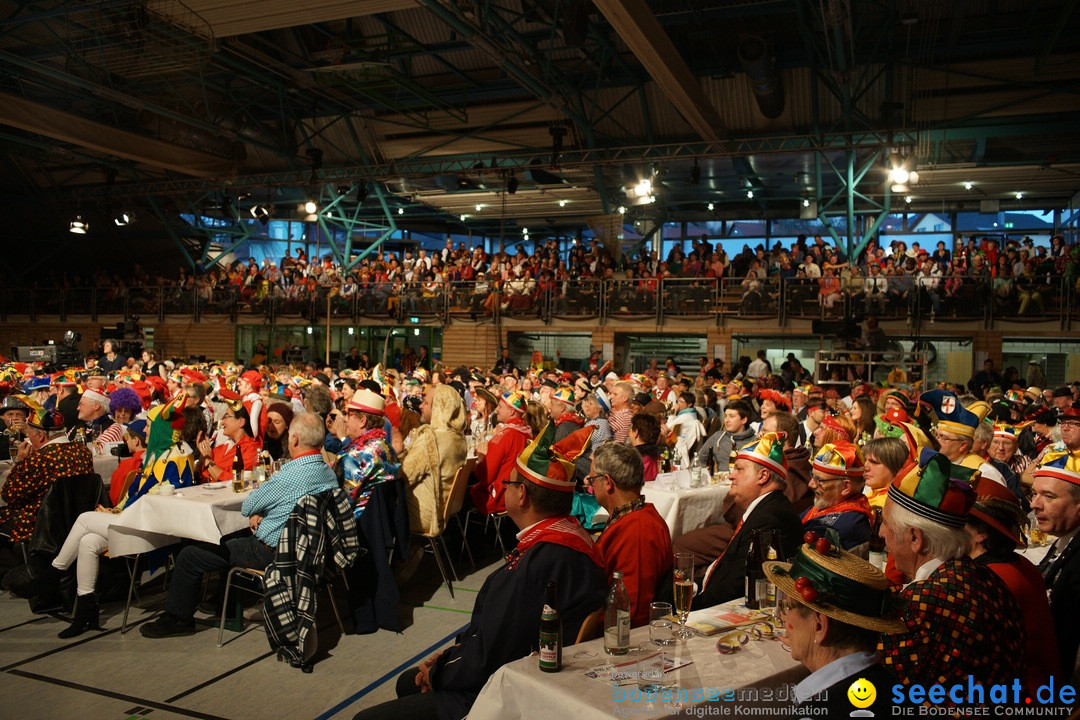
(684, 591)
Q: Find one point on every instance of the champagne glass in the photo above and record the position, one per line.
(684, 591)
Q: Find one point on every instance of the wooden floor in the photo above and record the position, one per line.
(108, 675)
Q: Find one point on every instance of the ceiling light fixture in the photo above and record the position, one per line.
(643, 188)
(479, 207)
(749, 194)
(1019, 196)
(123, 218)
(908, 199)
(711, 207)
(78, 225)
(311, 207)
(622, 209)
(806, 202)
(562, 203)
(401, 211)
(968, 185)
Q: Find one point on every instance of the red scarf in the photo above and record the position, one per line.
(570, 417)
(861, 504)
(515, 423)
(562, 530)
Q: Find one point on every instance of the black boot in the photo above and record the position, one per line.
(85, 617)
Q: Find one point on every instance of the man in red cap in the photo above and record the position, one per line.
(249, 386)
(552, 546)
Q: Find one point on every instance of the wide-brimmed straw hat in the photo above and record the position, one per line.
(840, 585)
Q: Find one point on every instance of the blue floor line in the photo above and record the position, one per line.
(414, 660)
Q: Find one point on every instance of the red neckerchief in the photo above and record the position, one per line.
(860, 504)
(562, 530)
(570, 417)
(309, 452)
(375, 434)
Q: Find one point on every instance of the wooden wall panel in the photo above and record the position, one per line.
(470, 345)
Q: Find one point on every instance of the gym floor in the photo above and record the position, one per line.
(107, 675)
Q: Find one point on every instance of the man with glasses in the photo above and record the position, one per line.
(955, 431)
(505, 623)
(839, 503)
(635, 540)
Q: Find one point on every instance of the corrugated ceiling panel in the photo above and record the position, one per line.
(239, 17)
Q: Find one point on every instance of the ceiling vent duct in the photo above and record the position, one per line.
(756, 59)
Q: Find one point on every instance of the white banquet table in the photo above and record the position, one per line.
(194, 513)
(685, 509)
(519, 689)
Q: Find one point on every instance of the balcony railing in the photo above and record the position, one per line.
(1046, 297)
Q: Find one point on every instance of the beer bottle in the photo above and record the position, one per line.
(238, 470)
(551, 630)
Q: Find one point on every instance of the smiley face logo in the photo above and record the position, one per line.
(862, 693)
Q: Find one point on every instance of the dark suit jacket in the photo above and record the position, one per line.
(1062, 577)
(728, 580)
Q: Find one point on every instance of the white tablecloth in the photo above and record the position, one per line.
(104, 465)
(519, 689)
(687, 509)
(195, 513)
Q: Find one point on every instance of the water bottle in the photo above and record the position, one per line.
(617, 618)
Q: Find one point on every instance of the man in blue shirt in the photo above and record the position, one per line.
(268, 509)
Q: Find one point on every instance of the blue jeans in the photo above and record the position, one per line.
(194, 561)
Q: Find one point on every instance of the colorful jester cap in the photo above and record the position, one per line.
(564, 395)
(34, 384)
(935, 488)
(1006, 431)
(231, 399)
(46, 420)
(841, 459)
(767, 451)
(781, 402)
(551, 465)
(516, 401)
(420, 374)
(1061, 465)
(952, 416)
(890, 422)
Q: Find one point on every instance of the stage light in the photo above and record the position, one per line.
(78, 225)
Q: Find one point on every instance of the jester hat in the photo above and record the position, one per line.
(777, 399)
(842, 459)
(1061, 465)
(516, 401)
(551, 464)
(936, 489)
(952, 416)
(767, 451)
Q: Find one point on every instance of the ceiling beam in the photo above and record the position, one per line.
(43, 120)
(640, 30)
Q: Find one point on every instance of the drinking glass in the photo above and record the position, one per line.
(650, 673)
(660, 626)
(684, 591)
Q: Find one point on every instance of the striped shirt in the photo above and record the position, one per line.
(619, 420)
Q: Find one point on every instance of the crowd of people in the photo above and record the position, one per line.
(1016, 278)
(915, 498)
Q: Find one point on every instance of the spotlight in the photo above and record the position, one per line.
(908, 199)
(562, 203)
(123, 218)
(524, 231)
(806, 202)
(1019, 196)
(712, 207)
(899, 176)
(463, 217)
(526, 238)
(261, 213)
(622, 209)
(749, 194)
(643, 188)
(968, 185)
(401, 211)
(479, 207)
(78, 225)
(311, 207)
(512, 184)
